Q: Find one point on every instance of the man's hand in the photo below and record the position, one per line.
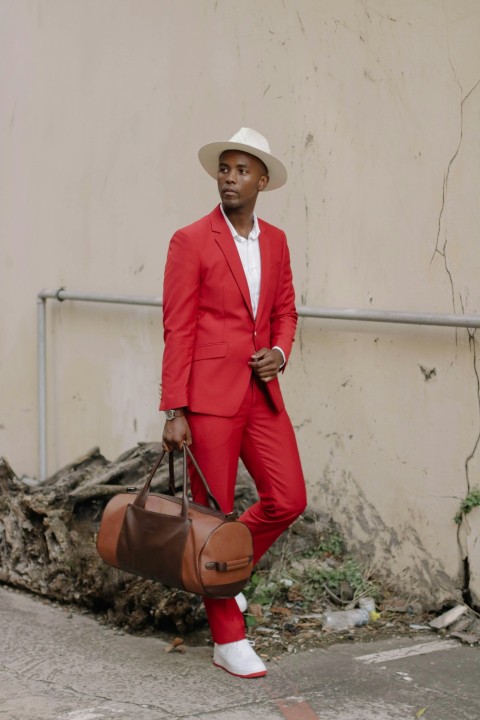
(175, 433)
(266, 363)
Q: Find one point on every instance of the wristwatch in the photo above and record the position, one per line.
(171, 414)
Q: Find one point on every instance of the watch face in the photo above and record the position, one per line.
(170, 414)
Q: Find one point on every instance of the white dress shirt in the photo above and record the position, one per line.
(249, 251)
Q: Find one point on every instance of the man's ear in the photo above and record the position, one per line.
(263, 182)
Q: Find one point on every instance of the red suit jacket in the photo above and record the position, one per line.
(209, 329)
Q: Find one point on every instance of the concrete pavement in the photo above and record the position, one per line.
(59, 665)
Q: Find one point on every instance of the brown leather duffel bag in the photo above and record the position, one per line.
(178, 542)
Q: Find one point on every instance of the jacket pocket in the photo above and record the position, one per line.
(212, 350)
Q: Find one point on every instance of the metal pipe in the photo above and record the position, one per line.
(42, 386)
(391, 316)
(382, 316)
(62, 294)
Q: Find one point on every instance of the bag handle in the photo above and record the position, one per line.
(212, 500)
(141, 498)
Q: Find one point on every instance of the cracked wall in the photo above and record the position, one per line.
(374, 106)
(461, 262)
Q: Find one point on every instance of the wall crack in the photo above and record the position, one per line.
(473, 347)
(441, 250)
(463, 528)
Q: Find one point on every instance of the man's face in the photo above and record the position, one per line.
(240, 178)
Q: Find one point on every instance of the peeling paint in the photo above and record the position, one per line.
(359, 518)
(427, 374)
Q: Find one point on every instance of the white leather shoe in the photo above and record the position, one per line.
(238, 658)
(241, 602)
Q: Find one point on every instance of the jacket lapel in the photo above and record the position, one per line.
(265, 269)
(226, 243)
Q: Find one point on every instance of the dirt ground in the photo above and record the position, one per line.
(281, 630)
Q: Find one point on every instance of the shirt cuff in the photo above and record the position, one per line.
(275, 347)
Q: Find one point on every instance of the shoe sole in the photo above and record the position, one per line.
(261, 673)
(243, 606)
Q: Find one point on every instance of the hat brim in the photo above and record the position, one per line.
(209, 155)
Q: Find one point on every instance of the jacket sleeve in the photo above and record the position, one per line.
(180, 302)
(283, 320)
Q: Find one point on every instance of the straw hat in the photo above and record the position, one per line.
(249, 141)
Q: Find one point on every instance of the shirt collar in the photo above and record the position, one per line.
(254, 232)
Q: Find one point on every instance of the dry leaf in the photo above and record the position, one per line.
(256, 611)
(294, 594)
(280, 611)
(421, 712)
(176, 644)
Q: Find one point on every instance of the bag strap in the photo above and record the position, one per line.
(141, 498)
(171, 475)
(212, 500)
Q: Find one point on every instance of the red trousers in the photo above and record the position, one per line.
(265, 441)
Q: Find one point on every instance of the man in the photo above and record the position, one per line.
(229, 324)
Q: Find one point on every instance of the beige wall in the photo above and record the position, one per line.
(374, 107)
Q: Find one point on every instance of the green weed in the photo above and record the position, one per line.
(305, 578)
(472, 500)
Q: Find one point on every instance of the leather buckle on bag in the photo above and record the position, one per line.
(218, 566)
(230, 564)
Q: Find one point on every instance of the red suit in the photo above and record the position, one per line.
(210, 335)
